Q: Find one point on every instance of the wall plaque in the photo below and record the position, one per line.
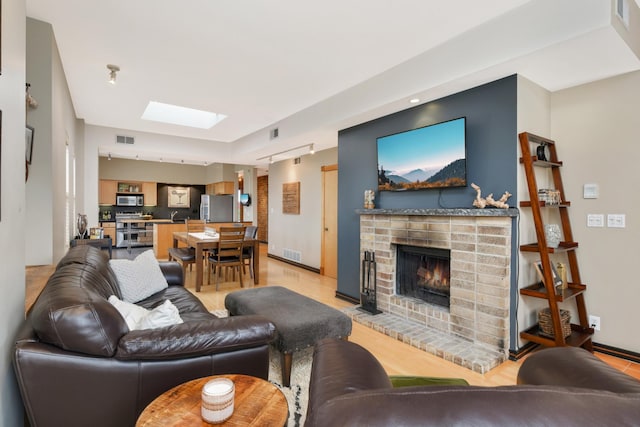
(178, 197)
(291, 198)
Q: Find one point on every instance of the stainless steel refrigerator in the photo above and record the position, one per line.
(216, 208)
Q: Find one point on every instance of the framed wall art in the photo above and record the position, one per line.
(178, 197)
(28, 139)
(291, 198)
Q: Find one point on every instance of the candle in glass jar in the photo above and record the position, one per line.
(217, 400)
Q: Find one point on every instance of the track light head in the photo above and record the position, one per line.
(113, 69)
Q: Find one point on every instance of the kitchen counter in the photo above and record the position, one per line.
(148, 221)
(163, 234)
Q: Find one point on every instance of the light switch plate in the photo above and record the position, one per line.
(590, 191)
(595, 220)
(616, 221)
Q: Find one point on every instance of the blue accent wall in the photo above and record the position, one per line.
(492, 141)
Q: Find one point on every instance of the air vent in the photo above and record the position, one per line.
(297, 161)
(292, 255)
(121, 139)
(274, 133)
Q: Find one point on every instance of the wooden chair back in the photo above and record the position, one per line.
(230, 243)
(195, 225)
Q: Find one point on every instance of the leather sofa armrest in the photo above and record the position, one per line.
(172, 272)
(574, 367)
(195, 338)
(341, 367)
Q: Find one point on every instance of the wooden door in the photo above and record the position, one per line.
(329, 258)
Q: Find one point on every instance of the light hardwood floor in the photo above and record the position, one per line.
(397, 358)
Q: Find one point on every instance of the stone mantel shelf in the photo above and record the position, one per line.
(492, 212)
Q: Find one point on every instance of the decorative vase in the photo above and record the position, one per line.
(552, 234)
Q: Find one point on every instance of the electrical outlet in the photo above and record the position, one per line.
(594, 322)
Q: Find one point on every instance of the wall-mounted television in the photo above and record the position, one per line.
(245, 199)
(433, 156)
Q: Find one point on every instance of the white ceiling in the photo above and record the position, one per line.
(309, 68)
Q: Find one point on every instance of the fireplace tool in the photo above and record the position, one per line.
(368, 301)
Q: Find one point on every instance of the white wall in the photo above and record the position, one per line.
(140, 170)
(299, 232)
(12, 201)
(595, 127)
(56, 129)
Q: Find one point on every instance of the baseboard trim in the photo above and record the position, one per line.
(297, 264)
(600, 348)
(347, 298)
(617, 352)
(516, 355)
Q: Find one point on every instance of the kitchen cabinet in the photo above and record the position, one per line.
(107, 192)
(109, 230)
(219, 188)
(134, 187)
(150, 190)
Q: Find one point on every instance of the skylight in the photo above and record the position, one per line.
(183, 116)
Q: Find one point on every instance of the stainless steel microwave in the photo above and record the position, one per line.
(127, 200)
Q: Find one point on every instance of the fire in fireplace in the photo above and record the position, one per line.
(423, 273)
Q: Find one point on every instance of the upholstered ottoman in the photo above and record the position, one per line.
(299, 321)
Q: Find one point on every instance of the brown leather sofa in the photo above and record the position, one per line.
(77, 363)
(557, 387)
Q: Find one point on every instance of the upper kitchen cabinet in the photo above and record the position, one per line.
(150, 190)
(109, 188)
(107, 192)
(222, 187)
(130, 187)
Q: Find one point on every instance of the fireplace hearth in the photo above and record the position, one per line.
(473, 329)
(424, 273)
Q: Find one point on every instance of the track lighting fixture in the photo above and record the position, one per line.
(113, 69)
(271, 156)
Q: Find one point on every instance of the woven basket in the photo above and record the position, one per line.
(546, 323)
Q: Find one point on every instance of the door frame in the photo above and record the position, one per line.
(328, 168)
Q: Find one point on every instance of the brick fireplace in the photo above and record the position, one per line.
(474, 330)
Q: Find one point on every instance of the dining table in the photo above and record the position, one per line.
(203, 241)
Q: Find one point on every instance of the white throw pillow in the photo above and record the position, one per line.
(140, 278)
(132, 313)
(166, 314)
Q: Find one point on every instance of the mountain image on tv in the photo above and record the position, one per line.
(429, 157)
(452, 175)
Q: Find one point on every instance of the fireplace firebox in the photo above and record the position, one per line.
(424, 273)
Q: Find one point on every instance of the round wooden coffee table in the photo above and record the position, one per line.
(257, 402)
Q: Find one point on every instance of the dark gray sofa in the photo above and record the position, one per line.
(77, 363)
(556, 387)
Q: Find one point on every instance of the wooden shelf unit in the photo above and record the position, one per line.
(581, 333)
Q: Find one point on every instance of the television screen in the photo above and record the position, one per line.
(429, 157)
(245, 199)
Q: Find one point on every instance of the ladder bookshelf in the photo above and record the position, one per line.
(546, 157)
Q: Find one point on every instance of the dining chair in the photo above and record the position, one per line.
(251, 232)
(187, 256)
(228, 253)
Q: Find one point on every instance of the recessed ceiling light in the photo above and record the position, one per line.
(183, 116)
(414, 100)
